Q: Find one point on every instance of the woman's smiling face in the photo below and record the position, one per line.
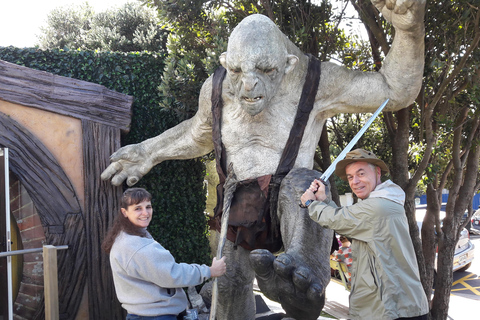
(139, 214)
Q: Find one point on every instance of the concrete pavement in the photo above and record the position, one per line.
(461, 308)
(336, 304)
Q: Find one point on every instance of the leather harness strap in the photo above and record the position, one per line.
(287, 161)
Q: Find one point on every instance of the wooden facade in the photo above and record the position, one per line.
(68, 218)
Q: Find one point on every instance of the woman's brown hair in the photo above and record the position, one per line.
(130, 197)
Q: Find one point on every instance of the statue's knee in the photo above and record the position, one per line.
(298, 179)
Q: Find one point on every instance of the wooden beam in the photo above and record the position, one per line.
(50, 278)
(62, 95)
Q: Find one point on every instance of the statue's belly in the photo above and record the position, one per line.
(253, 163)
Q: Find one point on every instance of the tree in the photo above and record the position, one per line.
(130, 28)
(66, 27)
(443, 129)
(451, 122)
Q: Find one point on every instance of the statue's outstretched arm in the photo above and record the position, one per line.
(189, 139)
(401, 75)
(403, 65)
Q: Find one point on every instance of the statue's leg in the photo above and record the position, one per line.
(297, 277)
(235, 289)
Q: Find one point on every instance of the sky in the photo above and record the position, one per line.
(20, 21)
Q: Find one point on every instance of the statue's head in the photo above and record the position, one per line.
(257, 61)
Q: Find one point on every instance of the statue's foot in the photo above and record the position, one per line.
(288, 280)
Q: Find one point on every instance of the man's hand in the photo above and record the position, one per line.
(406, 15)
(128, 163)
(218, 268)
(316, 191)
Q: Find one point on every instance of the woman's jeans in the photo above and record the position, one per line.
(164, 317)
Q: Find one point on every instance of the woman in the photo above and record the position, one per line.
(148, 281)
(344, 254)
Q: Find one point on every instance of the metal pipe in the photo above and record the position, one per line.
(25, 251)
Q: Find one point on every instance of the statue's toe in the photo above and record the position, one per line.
(284, 266)
(286, 279)
(262, 262)
(316, 293)
(301, 278)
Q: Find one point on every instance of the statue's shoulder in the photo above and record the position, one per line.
(329, 67)
(207, 87)
(335, 77)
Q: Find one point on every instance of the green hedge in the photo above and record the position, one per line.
(176, 186)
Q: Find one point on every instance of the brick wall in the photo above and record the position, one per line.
(30, 293)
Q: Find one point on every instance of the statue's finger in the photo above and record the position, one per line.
(401, 9)
(144, 169)
(105, 174)
(132, 180)
(111, 170)
(119, 155)
(119, 178)
(390, 4)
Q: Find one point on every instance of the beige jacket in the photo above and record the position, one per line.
(385, 279)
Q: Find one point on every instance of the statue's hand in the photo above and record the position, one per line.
(406, 15)
(129, 163)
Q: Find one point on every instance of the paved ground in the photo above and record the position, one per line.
(336, 304)
(464, 300)
(462, 306)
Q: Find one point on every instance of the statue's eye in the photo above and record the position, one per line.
(269, 71)
(235, 70)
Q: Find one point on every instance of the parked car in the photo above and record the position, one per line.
(464, 250)
(476, 221)
(469, 224)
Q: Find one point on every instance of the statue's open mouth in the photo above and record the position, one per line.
(252, 100)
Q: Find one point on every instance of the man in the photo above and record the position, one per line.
(385, 280)
(247, 113)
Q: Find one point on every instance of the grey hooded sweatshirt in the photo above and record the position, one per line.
(148, 281)
(385, 279)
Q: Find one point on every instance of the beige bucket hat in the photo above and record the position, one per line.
(358, 155)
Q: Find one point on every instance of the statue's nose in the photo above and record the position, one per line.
(249, 82)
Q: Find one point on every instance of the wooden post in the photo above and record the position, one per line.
(50, 278)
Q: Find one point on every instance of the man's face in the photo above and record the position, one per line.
(362, 178)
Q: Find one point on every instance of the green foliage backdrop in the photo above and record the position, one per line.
(176, 186)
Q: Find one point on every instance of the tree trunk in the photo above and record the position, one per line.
(325, 151)
(399, 132)
(443, 283)
(429, 240)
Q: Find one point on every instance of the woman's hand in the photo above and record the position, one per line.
(218, 268)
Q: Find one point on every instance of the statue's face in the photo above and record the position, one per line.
(256, 61)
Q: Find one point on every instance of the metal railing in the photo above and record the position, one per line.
(50, 277)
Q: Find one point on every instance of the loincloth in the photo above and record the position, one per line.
(250, 221)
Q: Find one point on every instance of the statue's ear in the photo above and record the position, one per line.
(223, 60)
(291, 62)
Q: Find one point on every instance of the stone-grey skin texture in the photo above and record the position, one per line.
(265, 76)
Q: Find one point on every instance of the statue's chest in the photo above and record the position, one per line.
(266, 132)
